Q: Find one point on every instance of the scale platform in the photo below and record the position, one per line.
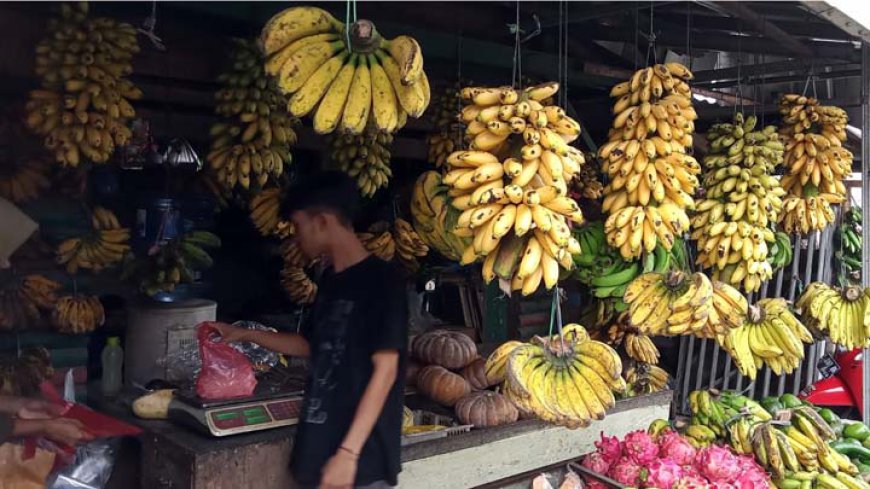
(227, 417)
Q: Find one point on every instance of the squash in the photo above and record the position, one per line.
(475, 374)
(442, 385)
(154, 405)
(411, 373)
(486, 408)
(450, 349)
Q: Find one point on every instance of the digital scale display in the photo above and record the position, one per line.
(251, 417)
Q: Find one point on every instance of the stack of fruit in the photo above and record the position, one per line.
(266, 213)
(741, 202)
(851, 240)
(22, 299)
(364, 157)
(652, 176)
(844, 314)
(371, 79)
(449, 134)
(172, 263)
(512, 184)
(78, 314)
(816, 161)
(252, 141)
(83, 106)
(23, 167)
(568, 380)
(103, 247)
(434, 218)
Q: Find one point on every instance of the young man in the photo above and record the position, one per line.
(350, 426)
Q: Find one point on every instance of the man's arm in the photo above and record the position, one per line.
(292, 344)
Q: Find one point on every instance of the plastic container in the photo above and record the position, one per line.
(157, 221)
(113, 363)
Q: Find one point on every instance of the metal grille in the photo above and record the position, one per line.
(703, 364)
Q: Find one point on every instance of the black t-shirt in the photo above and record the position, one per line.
(358, 311)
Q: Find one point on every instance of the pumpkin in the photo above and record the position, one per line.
(449, 349)
(411, 373)
(486, 408)
(442, 385)
(475, 374)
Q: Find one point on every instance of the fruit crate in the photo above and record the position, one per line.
(703, 364)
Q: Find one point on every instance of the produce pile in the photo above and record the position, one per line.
(816, 162)
(104, 246)
(448, 135)
(851, 244)
(364, 157)
(843, 314)
(251, 143)
(23, 167)
(511, 185)
(434, 218)
(172, 263)
(741, 202)
(83, 106)
(78, 314)
(344, 86)
(652, 175)
(23, 299)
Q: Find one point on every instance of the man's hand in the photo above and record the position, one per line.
(37, 409)
(339, 472)
(65, 431)
(231, 334)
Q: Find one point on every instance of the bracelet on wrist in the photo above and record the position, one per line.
(348, 450)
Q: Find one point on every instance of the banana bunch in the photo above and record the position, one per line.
(379, 241)
(78, 314)
(652, 175)
(780, 252)
(252, 140)
(449, 133)
(645, 378)
(294, 276)
(741, 201)
(410, 247)
(344, 86)
(676, 304)
(771, 335)
(17, 311)
(103, 247)
(568, 380)
(637, 346)
(587, 184)
(844, 314)
(174, 263)
(712, 410)
(434, 218)
(851, 245)
(266, 213)
(83, 106)
(23, 168)
(40, 290)
(365, 157)
(816, 161)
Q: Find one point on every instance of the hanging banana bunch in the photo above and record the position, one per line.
(644, 379)
(104, 246)
(344, 86)
(448, 135)
(637, 346)
(83, 107)
(78, 314)
(22, 299)
(410, 247)
(815, 160)
(364, 157)
(294, 277)
(379, 241)
(434, 218)
(587, 184)
(513, 183)
(652, 175)
(23, 167)
(842, 313)
(266, 213)
(251, 143)
(741, 203)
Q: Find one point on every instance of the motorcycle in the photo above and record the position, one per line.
(841, 385)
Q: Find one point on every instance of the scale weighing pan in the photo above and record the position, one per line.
(190, 397)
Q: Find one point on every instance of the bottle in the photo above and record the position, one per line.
(113, 361)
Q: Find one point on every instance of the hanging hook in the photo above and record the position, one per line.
(148, 26)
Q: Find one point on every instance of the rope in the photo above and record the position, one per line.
(560, 45)
(689, 34)
(564, 85)
(516, 70)
(347, 23)
(739, 92)
(651, 46)
(636, 35)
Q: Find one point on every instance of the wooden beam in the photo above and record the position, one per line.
(802, 64)
(744, 13)
(839, 19)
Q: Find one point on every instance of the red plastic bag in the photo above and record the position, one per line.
(226, 372)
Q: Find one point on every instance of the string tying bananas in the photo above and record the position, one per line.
(652, 175)
(568, 380)
(449, 134)
(771, 335)
(23, 168)
(676, 304)
(296, 281)
(78, 314)
(364, 157)
(344, 86)
(103, 247)
(816, 161)
(434, 218)
(645, 378)
(266, 213)
(841, 313)
(83, 107)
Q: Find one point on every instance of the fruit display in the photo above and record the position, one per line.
(250, 144)
(434, 218)
(770, 335)
(637, 346)
(104, 246)
(78, 314)
(172, 263)
(485, 408)
(816, 162)
(741, 202)
(851, 244)
(780, 252)
(83, 106)
(344, 86)
(365, 157)
(23, 165)
(842, 314)
(379, 241)
(475, 374)
(449, 349)
(645, 378)
(587, 184)
(442, 385)
(410, 247)
(22, 298)
(677, 303)
(266, 213)
(448, 134)
(647, 158)
(294, 276)
(568, 380)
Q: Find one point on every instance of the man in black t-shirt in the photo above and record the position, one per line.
(349, 428)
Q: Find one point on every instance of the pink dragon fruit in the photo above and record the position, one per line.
(640, 447)
(626, 471)
(717, 464)
(676, 448)
(595, 461)
(610, 448)
(752, 476)
(663, 474)
(725, 485)
(692, 482)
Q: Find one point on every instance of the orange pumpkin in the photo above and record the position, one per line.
(475, 374)
(411, 373)
(486, 408)
(442, 385)
(449, 349)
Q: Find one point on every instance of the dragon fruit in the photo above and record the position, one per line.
(752, 476)
(691, 482)
(595, 461)
(663, 474)
(676, 448)
(626, 471)
(610, 448)
(640, 447)
(717, 464)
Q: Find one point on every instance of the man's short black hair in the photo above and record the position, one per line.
(328, 191)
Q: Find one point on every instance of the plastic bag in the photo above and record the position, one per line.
(225, 373)
(92, 467)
